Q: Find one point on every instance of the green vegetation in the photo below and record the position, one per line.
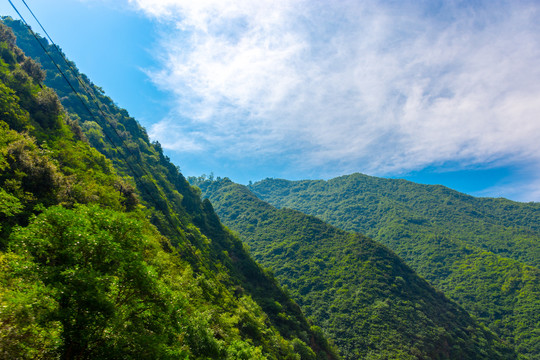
(358, 291)
(482, 253)
(95, 283)
(107, 252)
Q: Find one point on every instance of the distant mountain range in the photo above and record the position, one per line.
(483, 253)
(360, 292)
(107, 252)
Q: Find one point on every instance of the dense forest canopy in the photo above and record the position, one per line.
(106, 251)
(361, 293)
(483, 253)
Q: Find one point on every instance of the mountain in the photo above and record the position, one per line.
(106, 251)
(482, 253)
(358, 291)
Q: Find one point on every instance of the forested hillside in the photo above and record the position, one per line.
(362, 294)
(483, 253)
(106, 251)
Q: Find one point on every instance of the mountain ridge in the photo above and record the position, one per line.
(358, 291)
(203, 242)
(469, 248)
(100, 262)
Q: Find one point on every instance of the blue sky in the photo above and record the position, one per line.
(439, 92)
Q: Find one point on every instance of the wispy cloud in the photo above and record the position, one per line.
(381, 87)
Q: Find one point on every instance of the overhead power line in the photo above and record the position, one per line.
(87, 91)
(105, 122)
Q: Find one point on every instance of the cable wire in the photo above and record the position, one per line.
(85, 87)
(96, 101)
(109, 139)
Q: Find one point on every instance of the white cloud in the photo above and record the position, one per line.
(372, 86)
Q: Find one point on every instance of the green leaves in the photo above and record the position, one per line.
(475, 250)
(10, 112)
(359, 292)
(119, 288)
(93, 259)
(102, 287)
(9, 204)
(26, 304)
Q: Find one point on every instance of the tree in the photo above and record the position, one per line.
(109, 300)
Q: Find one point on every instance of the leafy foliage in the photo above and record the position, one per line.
(84, 272)
(174, 204)
(359, 292)
(483, 253)
(107, 289)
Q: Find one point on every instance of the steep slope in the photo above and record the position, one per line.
(483, 253)
(84, 274)
(359, 292)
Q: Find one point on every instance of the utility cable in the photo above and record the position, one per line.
(74, 71)
(57, 67)
(87, 89)
(90, 93)
(84, 103)
(136, 176)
